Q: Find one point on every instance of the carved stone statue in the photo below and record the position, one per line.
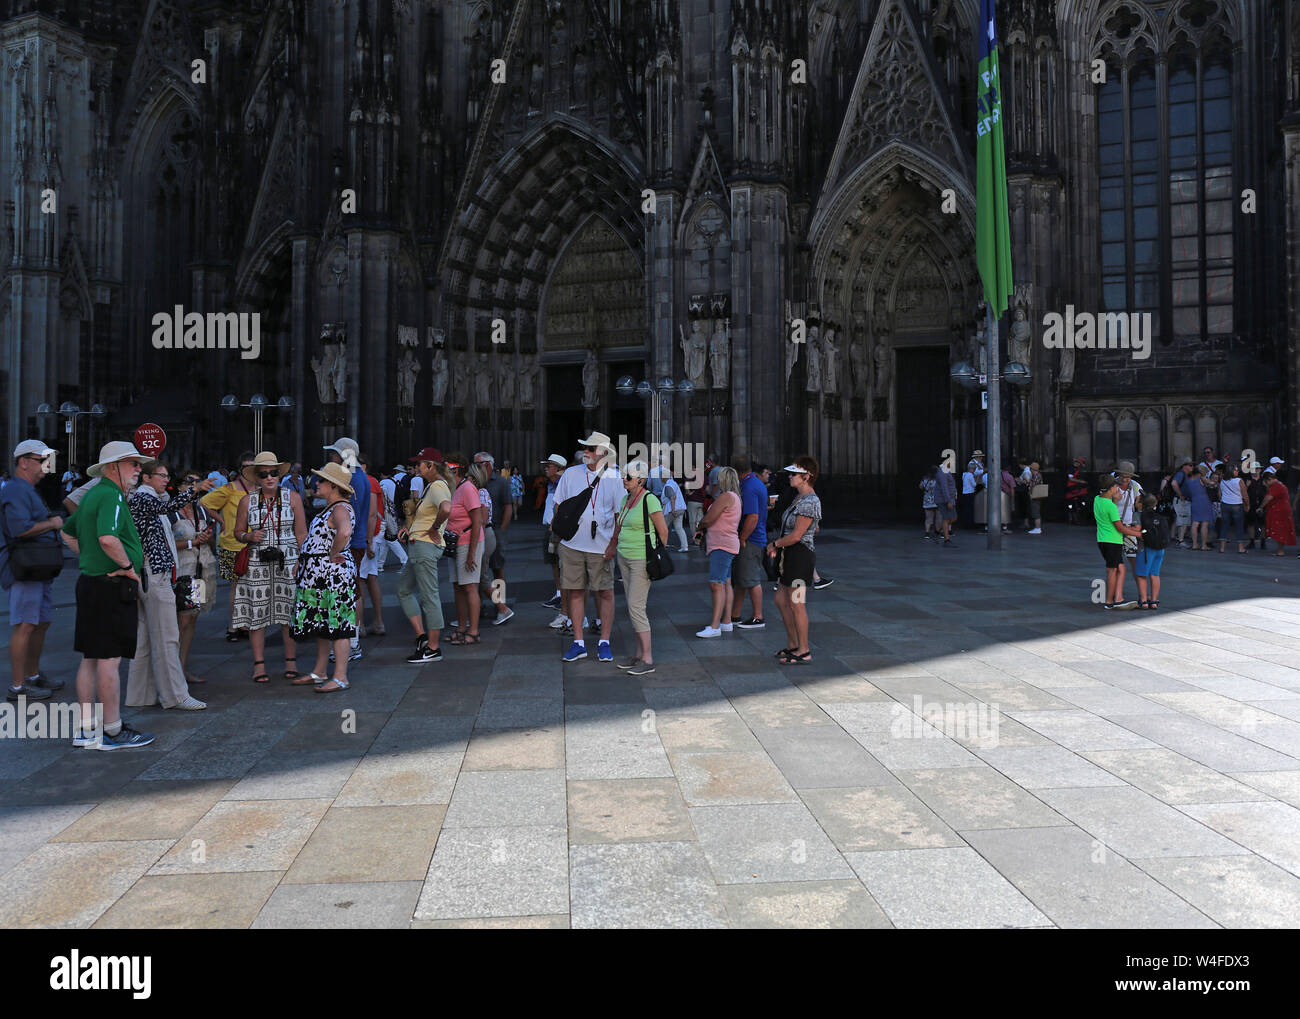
(483, 381)
(590, 378)
(527, 379)
(439, 380)
(830, 363)
(323, 368)
(814, 360)
(979, 349)
(858, 359)
(340, 366)
(1067, 366)
(506, 383)
(881, 360)
(695, 350)
(1021, 339)
(720, 353)
(407, 369)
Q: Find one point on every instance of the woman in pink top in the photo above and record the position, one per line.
(466, 521)
(722, 524)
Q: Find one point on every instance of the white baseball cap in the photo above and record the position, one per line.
(32, 447)
(1276, 460)
(1270, 470)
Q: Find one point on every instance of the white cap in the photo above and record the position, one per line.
(794, 469)
(32, 447)
(1276, 460)
(1270, 470)
(556, 459)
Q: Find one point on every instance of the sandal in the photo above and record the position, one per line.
(261, 677)
(784, 651)
(1153, 605)
(460, 639)
(291, 673)
(339, 684)
(790, 658)
(309, 678)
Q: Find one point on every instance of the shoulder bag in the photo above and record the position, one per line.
(658, 563)
(568, 514)
(32, 560)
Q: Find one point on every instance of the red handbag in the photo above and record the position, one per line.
(241, 562)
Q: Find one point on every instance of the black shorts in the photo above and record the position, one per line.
(1112, 553)
(549, 553)
(798, 562)
(107, 613)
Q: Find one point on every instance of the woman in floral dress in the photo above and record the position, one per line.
(326, 608)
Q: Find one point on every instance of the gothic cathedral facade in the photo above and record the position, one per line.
(465, 222)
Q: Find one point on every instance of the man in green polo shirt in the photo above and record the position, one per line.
(108, 548)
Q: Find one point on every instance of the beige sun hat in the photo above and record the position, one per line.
(265, 459)
(115, 452)
(336, 475)
(599, 439)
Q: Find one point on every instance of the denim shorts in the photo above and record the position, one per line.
(720, 566)
(1148, 562)
(30, 602)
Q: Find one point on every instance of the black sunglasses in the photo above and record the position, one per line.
(267, 474)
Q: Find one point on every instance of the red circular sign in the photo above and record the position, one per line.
(150, 440)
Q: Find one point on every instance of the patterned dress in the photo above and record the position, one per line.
(264, 596)
(327, 591)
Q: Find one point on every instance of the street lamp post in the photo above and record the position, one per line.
(71, 411)
(660, 418)
(258, 404)
(1015, 374)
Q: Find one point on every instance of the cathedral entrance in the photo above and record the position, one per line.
(924, 427)
(564, 415)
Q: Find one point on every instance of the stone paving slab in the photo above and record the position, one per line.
(979, 747)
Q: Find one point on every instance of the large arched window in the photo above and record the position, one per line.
(1165, 171)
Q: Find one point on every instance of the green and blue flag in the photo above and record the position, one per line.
(992, 221)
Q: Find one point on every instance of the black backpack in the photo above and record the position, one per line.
(403, 492)
(1155, 531)
(568, 514)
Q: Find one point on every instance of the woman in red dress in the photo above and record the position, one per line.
(1278, 523)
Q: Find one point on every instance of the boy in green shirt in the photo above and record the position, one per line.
(1110, 539)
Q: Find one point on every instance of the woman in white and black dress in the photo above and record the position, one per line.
(272, 523)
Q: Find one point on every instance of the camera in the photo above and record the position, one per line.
(270, 555)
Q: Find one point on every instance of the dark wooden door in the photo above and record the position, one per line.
(924, 423)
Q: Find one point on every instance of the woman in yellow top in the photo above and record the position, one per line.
(425, 549)
(225, 500)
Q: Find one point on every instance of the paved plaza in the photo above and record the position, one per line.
(976, 744)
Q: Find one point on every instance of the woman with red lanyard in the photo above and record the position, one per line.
(272, 524)
(466, 521)
(1278, 522)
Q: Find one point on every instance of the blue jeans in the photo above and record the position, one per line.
(720, 566)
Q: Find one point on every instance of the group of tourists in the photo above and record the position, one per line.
(947, 497)
(302, 553)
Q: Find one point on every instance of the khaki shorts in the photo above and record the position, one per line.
(461, 573)
(585, 571)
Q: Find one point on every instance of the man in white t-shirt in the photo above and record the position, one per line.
(1129, 503)
(583, 565)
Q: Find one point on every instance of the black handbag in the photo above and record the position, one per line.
(568, 514)
(658, 563)
(33, 560)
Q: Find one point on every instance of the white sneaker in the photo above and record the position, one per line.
(1036, 530)
(709, 631)
(726, 627)
(190, 703)
(560, 622)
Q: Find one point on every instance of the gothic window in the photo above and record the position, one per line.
(1164, 168)
(1234, 435)
(1183, 438)
(1127, 437)
(1103, 441)
(1207, 432)
(1151, 454)
(1081, 436)
(1257, 433)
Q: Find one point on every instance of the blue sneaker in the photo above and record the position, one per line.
(576, 651)
(126, 739)
(603, 652)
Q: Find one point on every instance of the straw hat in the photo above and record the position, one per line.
(337, 476)
(115, 452)
(263, 460)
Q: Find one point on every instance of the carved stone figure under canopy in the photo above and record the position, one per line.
(830, 363)
(695, 352)
(407, 369)
(880, 358)
(720, 353)
(506, 383)
(340, 366)
(814, 359)
(858, 359)
(1021, 338)
(439, 380)
(323, 368)
(791, 356)
(483, 381)
(590, 378)
(527, 379)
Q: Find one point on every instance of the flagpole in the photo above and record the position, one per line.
(993, 462)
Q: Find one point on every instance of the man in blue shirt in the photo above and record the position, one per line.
(747, 568)
(24, 516)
